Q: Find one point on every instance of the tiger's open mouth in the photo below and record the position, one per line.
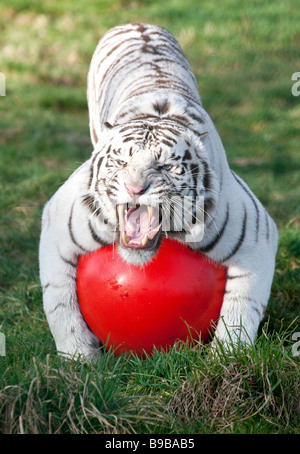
(139, 226)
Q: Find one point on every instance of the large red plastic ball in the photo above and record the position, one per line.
(175, 296)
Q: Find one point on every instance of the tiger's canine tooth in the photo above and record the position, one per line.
(145, 240)
(125, 238)
(120, 213)
(120, 209)
(150, 212)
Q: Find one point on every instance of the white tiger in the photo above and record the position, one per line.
(152, 140)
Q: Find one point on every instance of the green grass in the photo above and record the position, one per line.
(243, 55)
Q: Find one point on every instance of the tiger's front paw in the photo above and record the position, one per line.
(82, 350)
(229, 337)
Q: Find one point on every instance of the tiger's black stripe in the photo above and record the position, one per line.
(92, 171)
(253, 201)
(267, 225)
(207, 176)
(56, 307)
(72, 233)
(237, 276)
(95, 235)
(240, 240)
(89, 201)
(218, 236)
(67, 261)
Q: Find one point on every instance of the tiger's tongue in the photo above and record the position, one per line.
(137, 222)
(141, 224)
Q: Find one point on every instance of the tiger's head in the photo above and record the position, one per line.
(152, 179)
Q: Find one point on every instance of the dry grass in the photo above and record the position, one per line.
(68, 400)
(188, 391)
(239, 390)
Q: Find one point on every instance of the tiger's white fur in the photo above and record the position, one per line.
(150, 130)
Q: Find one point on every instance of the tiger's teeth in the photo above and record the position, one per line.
(125, 238)
(120, 209)
(150, 213)
(145, 240)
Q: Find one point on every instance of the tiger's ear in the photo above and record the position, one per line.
(108, 125)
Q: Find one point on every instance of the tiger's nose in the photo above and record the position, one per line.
(135, 191)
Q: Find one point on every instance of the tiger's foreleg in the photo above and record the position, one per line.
(244, 239)
(245, 300)
(71, 334)
(63, 239)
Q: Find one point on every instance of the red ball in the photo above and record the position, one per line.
(176, 296)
